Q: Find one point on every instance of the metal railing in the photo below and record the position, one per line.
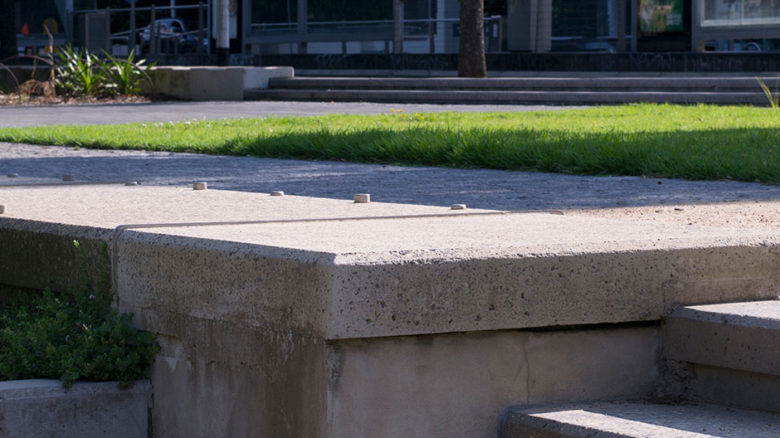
(432, 29)
(154, 36)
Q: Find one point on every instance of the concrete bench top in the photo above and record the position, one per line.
(392, 269)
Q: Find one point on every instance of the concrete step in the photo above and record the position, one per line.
(636, 419)
(604, 83)
(742, 336)
(509, 96)
(733, 352)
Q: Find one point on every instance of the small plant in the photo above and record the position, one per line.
(78, 74)
(85, 74)
(124, 76)
(774, 99)
(71, 337)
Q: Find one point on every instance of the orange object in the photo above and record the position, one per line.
(25, 29)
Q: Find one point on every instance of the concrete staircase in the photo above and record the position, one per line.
(553, 89)
(730, 383)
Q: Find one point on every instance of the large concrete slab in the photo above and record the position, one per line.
(388, 269)
(636, 420)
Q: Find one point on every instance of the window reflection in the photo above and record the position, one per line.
(740, 12)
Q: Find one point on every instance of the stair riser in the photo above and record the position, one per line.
(605, 84)
(719, 344)
(504, 97)
(735, 388)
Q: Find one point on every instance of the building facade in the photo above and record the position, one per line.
(431, 26)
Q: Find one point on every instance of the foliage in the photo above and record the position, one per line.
(125, 76)
(77, 74)
(72, 337)
(774, 99)
(85, 74)
(693, 142)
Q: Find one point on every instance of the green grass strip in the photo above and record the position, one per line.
(692, 142)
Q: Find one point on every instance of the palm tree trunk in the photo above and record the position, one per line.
(471, 55)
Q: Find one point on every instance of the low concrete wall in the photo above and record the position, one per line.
(43, 408)
(297, 320)
(212, 83)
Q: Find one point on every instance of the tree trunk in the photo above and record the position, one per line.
(7, 29)
(471, 55)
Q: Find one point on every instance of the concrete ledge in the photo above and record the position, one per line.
(636, 420)
(43, 408)
(212, 83)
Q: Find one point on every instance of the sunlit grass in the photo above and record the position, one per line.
(694, 142)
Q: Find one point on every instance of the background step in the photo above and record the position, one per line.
(605, 83)
(636, 419)
(566, 97)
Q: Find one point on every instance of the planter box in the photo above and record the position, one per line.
(45, 408)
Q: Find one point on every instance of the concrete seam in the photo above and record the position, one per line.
(69, 183)
(308, 220)
(527, 370)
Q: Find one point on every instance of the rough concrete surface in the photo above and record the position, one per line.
(453, 271)
(43, 408)
(637, 420)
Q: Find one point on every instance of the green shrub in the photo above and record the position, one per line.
(71, 338)
(75, 336)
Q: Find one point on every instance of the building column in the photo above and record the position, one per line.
(544, 26)
(620, 43)
(398, 27)
(302, 25)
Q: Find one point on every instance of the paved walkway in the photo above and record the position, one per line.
(420, 185)
(179, 111)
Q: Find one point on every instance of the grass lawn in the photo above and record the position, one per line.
(693, 142)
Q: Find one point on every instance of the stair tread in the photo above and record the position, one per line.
(637, 419)
(759, 314)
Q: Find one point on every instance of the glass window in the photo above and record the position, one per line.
(740, 12)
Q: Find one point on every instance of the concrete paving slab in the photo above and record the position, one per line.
(637, 420)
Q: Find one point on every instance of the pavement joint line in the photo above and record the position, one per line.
(64, 183)
(121, 228)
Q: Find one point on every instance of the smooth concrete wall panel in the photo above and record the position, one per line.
(43, 408)
(216, 378)
(39, 255)
(735, 388)
(456, 385)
